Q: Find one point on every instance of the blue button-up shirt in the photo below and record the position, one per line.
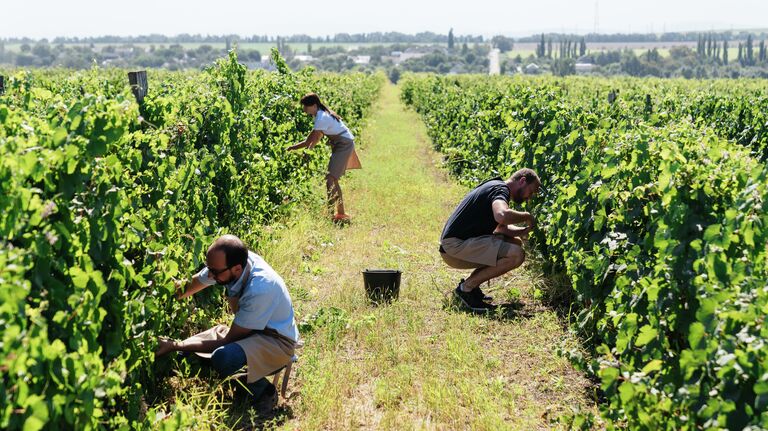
(264, 300)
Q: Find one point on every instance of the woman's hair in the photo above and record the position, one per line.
(313, 99)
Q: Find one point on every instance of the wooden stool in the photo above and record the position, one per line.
(286, 372)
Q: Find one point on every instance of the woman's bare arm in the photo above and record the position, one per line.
(310, 142)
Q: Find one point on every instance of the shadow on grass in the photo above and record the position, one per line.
(510, 310)
(515, 300)
(246, 413)
(242, 411)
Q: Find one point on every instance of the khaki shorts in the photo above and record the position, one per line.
(341, 151)
(475, 252)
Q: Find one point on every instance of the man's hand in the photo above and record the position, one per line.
(180, 288)
(528, 229)
(234, 304)
(524, 233)
(294, 147)
(164, 346)
(528, 219)
(511, 231)
(185, 288)
(531, 222)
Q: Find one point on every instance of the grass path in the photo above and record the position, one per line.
(417, 363)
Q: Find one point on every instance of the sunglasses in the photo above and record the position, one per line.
(216, 272)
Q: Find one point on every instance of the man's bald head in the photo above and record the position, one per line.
(235, 250)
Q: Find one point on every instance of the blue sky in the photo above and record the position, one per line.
(47, 18)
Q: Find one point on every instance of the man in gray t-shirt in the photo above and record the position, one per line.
(481, 233)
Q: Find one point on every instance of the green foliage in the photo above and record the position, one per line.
(106, 205)
(563, 67)
(503, 43)
(658, 220)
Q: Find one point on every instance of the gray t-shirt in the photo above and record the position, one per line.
(264, 299)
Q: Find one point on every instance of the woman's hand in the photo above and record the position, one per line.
(303, 144)
(310, 142)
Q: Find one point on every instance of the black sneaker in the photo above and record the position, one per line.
(480, 294)
(471, 300)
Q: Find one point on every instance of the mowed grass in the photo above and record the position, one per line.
(417, 363)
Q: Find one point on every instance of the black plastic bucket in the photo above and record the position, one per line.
(382, 285)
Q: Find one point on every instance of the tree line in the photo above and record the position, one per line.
(374, 37)
(646, 37)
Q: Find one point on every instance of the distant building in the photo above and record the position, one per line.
(303, 58)
(403, 56)
(584, 67)
(361, 59)
(532, 69)
(265, 63)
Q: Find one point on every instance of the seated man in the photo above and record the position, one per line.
(263, 334)
(480, 234)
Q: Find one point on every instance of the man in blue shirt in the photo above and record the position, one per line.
(263, 335)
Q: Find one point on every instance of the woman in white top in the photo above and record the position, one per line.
(343, 156)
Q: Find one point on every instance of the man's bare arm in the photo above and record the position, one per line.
(506, 216)
(190, 288)
(235, 333)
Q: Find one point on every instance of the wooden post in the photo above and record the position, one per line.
(2, 84)
(611, 96)
(139, 85)
(648, 104)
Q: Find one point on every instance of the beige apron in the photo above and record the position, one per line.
(343, 155)
(266, 351)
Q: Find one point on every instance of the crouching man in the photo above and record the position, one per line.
(262, 336)
(481, 234)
